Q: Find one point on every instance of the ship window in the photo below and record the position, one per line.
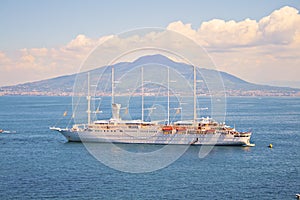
(132, 126)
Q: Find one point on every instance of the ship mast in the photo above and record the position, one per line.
(89, 99)
(195, 95)
(168, 95)
(142, 80)
(112, 85)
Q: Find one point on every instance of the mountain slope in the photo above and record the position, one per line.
(233, 85)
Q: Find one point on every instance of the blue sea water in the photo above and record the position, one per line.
(36, 163)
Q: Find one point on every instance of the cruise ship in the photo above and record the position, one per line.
(206, 131)
(203, 131)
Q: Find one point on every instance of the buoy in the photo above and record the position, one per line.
(270, 145)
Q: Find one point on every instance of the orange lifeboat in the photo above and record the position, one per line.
(179, 128)
(167, 128)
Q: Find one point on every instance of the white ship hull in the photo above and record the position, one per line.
(156, 138)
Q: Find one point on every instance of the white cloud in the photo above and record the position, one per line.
(280, 27)
(258, 51)
(248, 48)
(4, 59)
(81, 41)
(219, 33)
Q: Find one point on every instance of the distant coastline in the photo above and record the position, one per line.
(257, 93)
(232, 85)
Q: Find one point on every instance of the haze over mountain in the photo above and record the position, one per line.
(234, 86)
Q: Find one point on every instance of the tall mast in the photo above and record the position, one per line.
(142, 80)
(89, 99)
(112, 84)
(168, 95)
(195, 95)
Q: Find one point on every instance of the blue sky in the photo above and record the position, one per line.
(49, 38)
(41, 23)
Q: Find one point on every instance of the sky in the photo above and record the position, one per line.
(257, 40)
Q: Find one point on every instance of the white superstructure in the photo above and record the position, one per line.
(136, 131)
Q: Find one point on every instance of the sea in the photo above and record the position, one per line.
(37, 163)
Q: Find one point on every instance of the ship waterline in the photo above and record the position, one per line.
(176, 139)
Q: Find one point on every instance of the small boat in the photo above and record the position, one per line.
(4, 131)
(298, 196)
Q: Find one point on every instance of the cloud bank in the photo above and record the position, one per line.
(280, 27)
(260, 51)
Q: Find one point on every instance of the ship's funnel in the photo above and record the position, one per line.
(116, 111)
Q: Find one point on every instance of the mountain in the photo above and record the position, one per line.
(234, 86)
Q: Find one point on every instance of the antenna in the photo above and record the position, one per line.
(168, 95)
(112, 85)
(88, 99)
(195, 95)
